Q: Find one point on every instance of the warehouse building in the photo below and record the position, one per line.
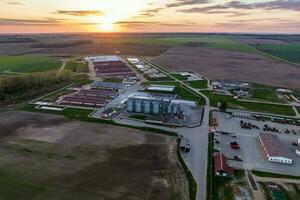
(162, 88)
(155, 104)
(273, 149)
(238, 88)
(87, 98)
(221, 166)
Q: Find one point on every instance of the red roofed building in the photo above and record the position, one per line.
(273, 149)
(221, 166)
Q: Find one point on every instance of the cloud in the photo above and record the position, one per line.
(80, 12)
(31, 22)
(150, 12)
(13, 2)
(293, 5)
(179, 3)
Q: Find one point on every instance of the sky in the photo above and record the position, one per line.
(238, 16)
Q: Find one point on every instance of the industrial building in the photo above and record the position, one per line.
(273, 149)
(87, 98)
(238, 88)
(155, 104)
(162, 88)
(221, 166)
(111, 67)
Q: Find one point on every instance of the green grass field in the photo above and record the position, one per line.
(264, 93)
(179, 77)
(28, 63)
(210, 41)
(290, 52)
(76, 66)
(173, 41)
(180, 91)
(198, 84)
(256, 107)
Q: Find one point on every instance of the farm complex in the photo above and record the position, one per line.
(150, 116)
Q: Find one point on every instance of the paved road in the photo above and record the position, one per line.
(196, 160)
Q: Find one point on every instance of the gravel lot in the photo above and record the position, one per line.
(250, 151)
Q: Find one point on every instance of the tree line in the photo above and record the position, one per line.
(14, 89)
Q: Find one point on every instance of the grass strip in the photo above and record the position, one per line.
(273, 175)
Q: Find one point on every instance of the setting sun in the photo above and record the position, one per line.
(106, 27)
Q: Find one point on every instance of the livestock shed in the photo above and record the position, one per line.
(273, 149)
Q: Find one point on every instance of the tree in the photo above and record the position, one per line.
(223, 106)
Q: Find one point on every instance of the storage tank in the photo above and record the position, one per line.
(169, 108)
(147, 106)
(175, 108)
(163, 106)
(138, 105)
(156, 107)
(130, 105)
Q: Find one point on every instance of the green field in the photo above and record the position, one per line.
(76, 66)
(173, 41)
(179, 77)
(198, 84)
(256, 107)
(28, 63)
(264, 93)
(210, 41)
(290, 52)
(180, 91)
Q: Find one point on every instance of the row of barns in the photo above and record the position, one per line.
(111, 67)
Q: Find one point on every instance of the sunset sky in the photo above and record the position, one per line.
(259, 16)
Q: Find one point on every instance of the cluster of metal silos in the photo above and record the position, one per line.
(152, 106)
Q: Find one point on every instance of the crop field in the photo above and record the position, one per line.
(256, 107)
(50, 157)
(28, 63)
(172, 41)
(209, 41)
(290, 52)
(230, 65)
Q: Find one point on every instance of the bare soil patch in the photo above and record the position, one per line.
(221, 64)
(49, 157)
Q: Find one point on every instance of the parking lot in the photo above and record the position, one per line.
(250, 151)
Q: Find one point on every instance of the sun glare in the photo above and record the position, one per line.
(106, 27)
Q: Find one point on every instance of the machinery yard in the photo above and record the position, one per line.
(85, 160)
(250, 155)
